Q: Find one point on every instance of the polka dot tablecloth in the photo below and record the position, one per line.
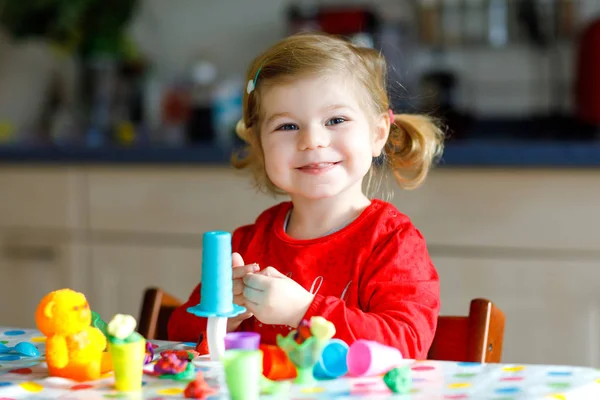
(25, 377)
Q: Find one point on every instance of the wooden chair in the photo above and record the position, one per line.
(474, 338)
(157, 307)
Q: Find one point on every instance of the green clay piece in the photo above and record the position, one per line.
(398, 380)
(97, 322)
(188, 375)
(133, 338)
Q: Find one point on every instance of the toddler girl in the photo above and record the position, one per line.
(317, 120)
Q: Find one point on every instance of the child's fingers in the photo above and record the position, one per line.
(257, 281)
(245, 315)
(252, 295)
(240, 300)
(273, 272)
(251, 307)
(236, 260)
(241, 271)
(238, 287)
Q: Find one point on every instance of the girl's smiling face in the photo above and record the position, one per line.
(318, 139)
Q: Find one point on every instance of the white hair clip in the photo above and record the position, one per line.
(250, 86)
(252, 82)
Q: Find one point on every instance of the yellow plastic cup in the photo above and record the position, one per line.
(128, 364)
(243, 373)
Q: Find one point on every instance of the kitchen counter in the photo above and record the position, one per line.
(466, 153)
(535, 141)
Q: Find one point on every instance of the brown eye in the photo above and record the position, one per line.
(76, 308)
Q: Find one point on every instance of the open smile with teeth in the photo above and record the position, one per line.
(320, 168)
(317, 166)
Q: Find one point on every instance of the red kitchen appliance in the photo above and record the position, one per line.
(587, 84)
(344, 20)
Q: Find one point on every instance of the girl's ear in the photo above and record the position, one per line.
(380, 136)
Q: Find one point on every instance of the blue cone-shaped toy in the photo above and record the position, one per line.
(216, 293)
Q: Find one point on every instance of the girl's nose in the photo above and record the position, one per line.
(311, 138)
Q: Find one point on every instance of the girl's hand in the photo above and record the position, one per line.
(275, 299)
(239, 271)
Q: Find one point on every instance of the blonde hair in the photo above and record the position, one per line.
(415, 141)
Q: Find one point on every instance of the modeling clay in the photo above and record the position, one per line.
(276, 364)
(73, 347)
(321, 328)
(187, 355)
(97, 322)
(303, 332)
(186, 375)
(121, 326)
(149, 353)
(398, 380)
(128, 351)
(198, 388)
(170, 364)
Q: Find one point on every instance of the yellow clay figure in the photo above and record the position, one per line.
(73, 347)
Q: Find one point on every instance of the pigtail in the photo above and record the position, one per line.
(242, 159)
(415, 143)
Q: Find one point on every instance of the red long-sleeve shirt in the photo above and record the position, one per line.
(373, 279)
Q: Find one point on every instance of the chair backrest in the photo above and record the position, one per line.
(477, 337)
(157, 307)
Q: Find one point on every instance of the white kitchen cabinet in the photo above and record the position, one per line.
(187, 201)
(552, 306)
(42, 197)
(31, 266)
(513, 209)
(119, 274)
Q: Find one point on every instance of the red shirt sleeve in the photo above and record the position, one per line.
(185, 327)
(399, 291)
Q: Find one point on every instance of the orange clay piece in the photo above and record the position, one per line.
(74, 349)
(276, 364)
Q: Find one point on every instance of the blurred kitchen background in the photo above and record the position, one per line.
(117, 123)
(147, 73)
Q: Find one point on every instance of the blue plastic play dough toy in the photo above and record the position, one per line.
(216, 293)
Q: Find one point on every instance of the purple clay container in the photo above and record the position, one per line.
(242, 341)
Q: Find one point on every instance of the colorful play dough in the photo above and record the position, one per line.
(64, 316)
(398, 380)
(127, 349)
